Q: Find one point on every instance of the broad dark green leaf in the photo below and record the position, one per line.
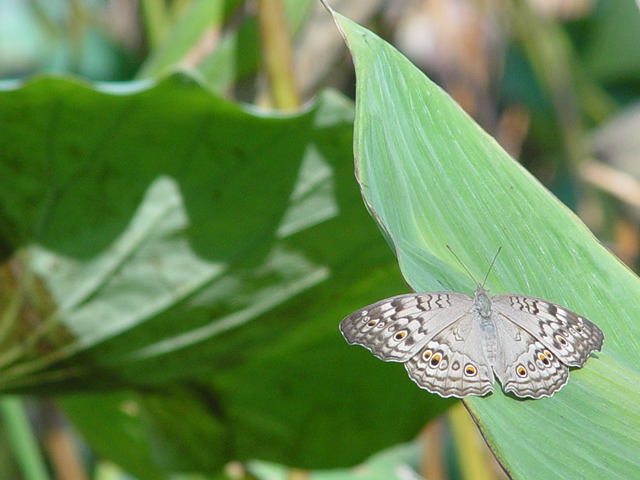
(119, 432)
(204, 252)
(431, 176)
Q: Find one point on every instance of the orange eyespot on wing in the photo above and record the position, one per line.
(470, 370)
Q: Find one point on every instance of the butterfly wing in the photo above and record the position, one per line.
(569, 336)
(396, 328)
(524, 365)
(453, 362)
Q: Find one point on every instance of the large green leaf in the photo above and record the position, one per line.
(204, 252)
(431, 176)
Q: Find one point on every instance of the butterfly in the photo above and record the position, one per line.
(453, 345)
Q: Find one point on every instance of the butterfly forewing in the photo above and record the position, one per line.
(568, 335)
(397, 328)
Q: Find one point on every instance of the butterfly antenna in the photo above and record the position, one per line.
(463, 265)
(491, 266)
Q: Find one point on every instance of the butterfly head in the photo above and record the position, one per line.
(481, 301)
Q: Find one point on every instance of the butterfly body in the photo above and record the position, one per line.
(454, 345)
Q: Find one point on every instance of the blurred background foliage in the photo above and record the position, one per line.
(159, 335)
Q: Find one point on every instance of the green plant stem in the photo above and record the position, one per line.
(471, 458)
(552, 59)
(155, 20)
(276, 54)
(22, 439)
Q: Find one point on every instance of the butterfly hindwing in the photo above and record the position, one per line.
(523, 365)
(453, 363)
(396, 328)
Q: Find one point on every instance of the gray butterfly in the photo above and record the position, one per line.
(453, 345)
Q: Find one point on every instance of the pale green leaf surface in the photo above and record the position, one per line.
(396, 463)
(432, 177)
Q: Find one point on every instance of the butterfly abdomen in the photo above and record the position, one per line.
(483, 306)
